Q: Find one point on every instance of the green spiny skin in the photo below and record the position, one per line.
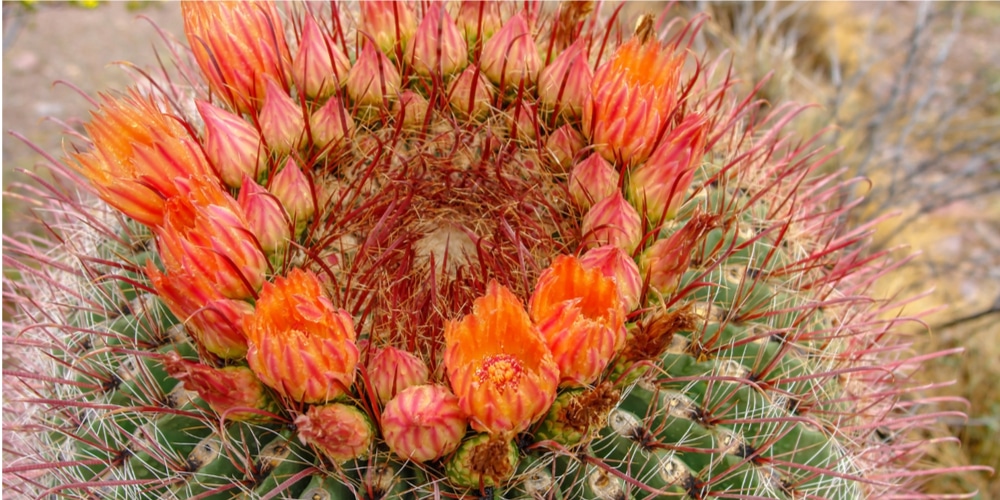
(761, 374)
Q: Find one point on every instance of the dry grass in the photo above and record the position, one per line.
(913, 92)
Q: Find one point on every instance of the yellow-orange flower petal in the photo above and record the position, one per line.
(498, 364)
(581, 316)
(300, 344)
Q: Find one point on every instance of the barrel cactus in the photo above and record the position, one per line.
(475, 250)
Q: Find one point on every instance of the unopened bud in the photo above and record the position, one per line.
(319, 65)
(293, 189)
(510, 57)
(231, 144)
(266, 217)
(281, 121)
(392, 370)
(423, 423)
(330, 124)
(438, 47)
(562, 146)
(388, 23)
(592, 180)
(565, 84)
(613, 221)
(479, 20)
(373, 77)
(470, 94)
(614, 263)
(340, 432)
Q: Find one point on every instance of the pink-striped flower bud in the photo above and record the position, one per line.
(265, 216)
(564, 85)
(330, 124)
(479, 20)
(563, 144)
(231, 144)
(423, 423)
(392, 370)
(510, 57)
(614, 263)
(523, 117)
(665, 261)
(319, 65)
(470, 94)
(281, 121)
(612, 221)
(592, 180)
(411, 108)
(388, 23)
(232, 391)
(340, 432)
(438, 48)
(661, 183)
(373, 77)
(294, 190)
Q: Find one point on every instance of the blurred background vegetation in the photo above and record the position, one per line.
(909, 93)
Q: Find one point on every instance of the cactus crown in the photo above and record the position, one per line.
(477, 250)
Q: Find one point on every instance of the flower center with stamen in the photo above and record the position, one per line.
(502, 371)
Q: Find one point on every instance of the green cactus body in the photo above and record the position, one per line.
(745, 360)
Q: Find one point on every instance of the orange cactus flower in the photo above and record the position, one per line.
(138, 152)
(632, 95)
(498, 364)
(581, 316)
(205, 233)
(300, 344)
(237, 46)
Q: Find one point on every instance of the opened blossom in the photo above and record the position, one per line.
(580, 315)
(498, 364)
(300, 345)
(138, 151)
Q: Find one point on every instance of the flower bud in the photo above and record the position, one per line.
(510, 57)
(470, 94)
(373, 77)
(665, 261)
(265, 216)
(230, 391)
(392, 370)
(411, 108)
(580, 315)
(299, 344)
(423, 423)
(592, 180)
(661, 183)
(612, 221)
(281, 121)
(330, 124)
(231, 144)
(562, 146)
(614, 263)
(523, 118)
(479, 20)
(565, 83)
(293, 189)
(340, 432)
(483, 461)
(319, 65)
(388, 23)
(438, 48)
